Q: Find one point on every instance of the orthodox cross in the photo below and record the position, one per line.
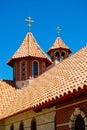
(58, 29)
(29, 20)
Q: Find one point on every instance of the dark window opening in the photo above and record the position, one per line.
(12, 127)
(35, 69)
(33, 124)
(21, 126)
(57, 55)
(63, 55)
(79, 123)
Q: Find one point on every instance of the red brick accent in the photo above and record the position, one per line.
(66, 108)
(29, 66)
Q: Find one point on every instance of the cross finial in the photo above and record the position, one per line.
(58, 29)
(29, 20)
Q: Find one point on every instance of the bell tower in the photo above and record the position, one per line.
(58, 51)
(29, 61)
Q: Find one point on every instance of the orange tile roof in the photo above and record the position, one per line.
(29, 47)
(7, 94)
(59, 44)
(64, 78)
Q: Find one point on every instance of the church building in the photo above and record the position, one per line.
(45, 93)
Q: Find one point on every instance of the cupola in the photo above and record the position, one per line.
(58, 51)
(29, 61)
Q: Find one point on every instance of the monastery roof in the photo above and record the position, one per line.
(29, 47)
(7, 94)
(59, 44)
(66, 78)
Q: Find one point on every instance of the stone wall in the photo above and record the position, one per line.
(45, 120)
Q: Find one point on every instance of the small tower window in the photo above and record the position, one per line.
(21, 127)
(57, 56)
(35, 68)
(79, 123)
(33, 124)
(23, 70)
(63, 55)
(15, 71)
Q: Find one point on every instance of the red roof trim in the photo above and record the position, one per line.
(53, 102)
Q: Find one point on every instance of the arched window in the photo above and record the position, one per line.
(57, 55)
(63, 55)
(78, 120)
(15, 71)
(23, 66)
(33, 124)
(35, 68)
(21, 127)
(79, 123)
(12, 127)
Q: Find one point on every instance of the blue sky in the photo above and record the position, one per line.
(70, 15)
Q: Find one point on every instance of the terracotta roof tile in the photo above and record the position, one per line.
(7, 95)
(29, 47)
(59, 44)
(64, 78)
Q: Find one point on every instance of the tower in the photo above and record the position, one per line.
(29, 61)
(58, 51)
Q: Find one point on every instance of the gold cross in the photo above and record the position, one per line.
(58, 29)
(29, 20)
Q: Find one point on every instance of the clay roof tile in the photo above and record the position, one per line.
(63, 79)
(29, 47)
(59, 44)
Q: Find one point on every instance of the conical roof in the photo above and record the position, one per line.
(59, 44)
(29, 47)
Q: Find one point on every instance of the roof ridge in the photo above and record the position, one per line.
(40, 47)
